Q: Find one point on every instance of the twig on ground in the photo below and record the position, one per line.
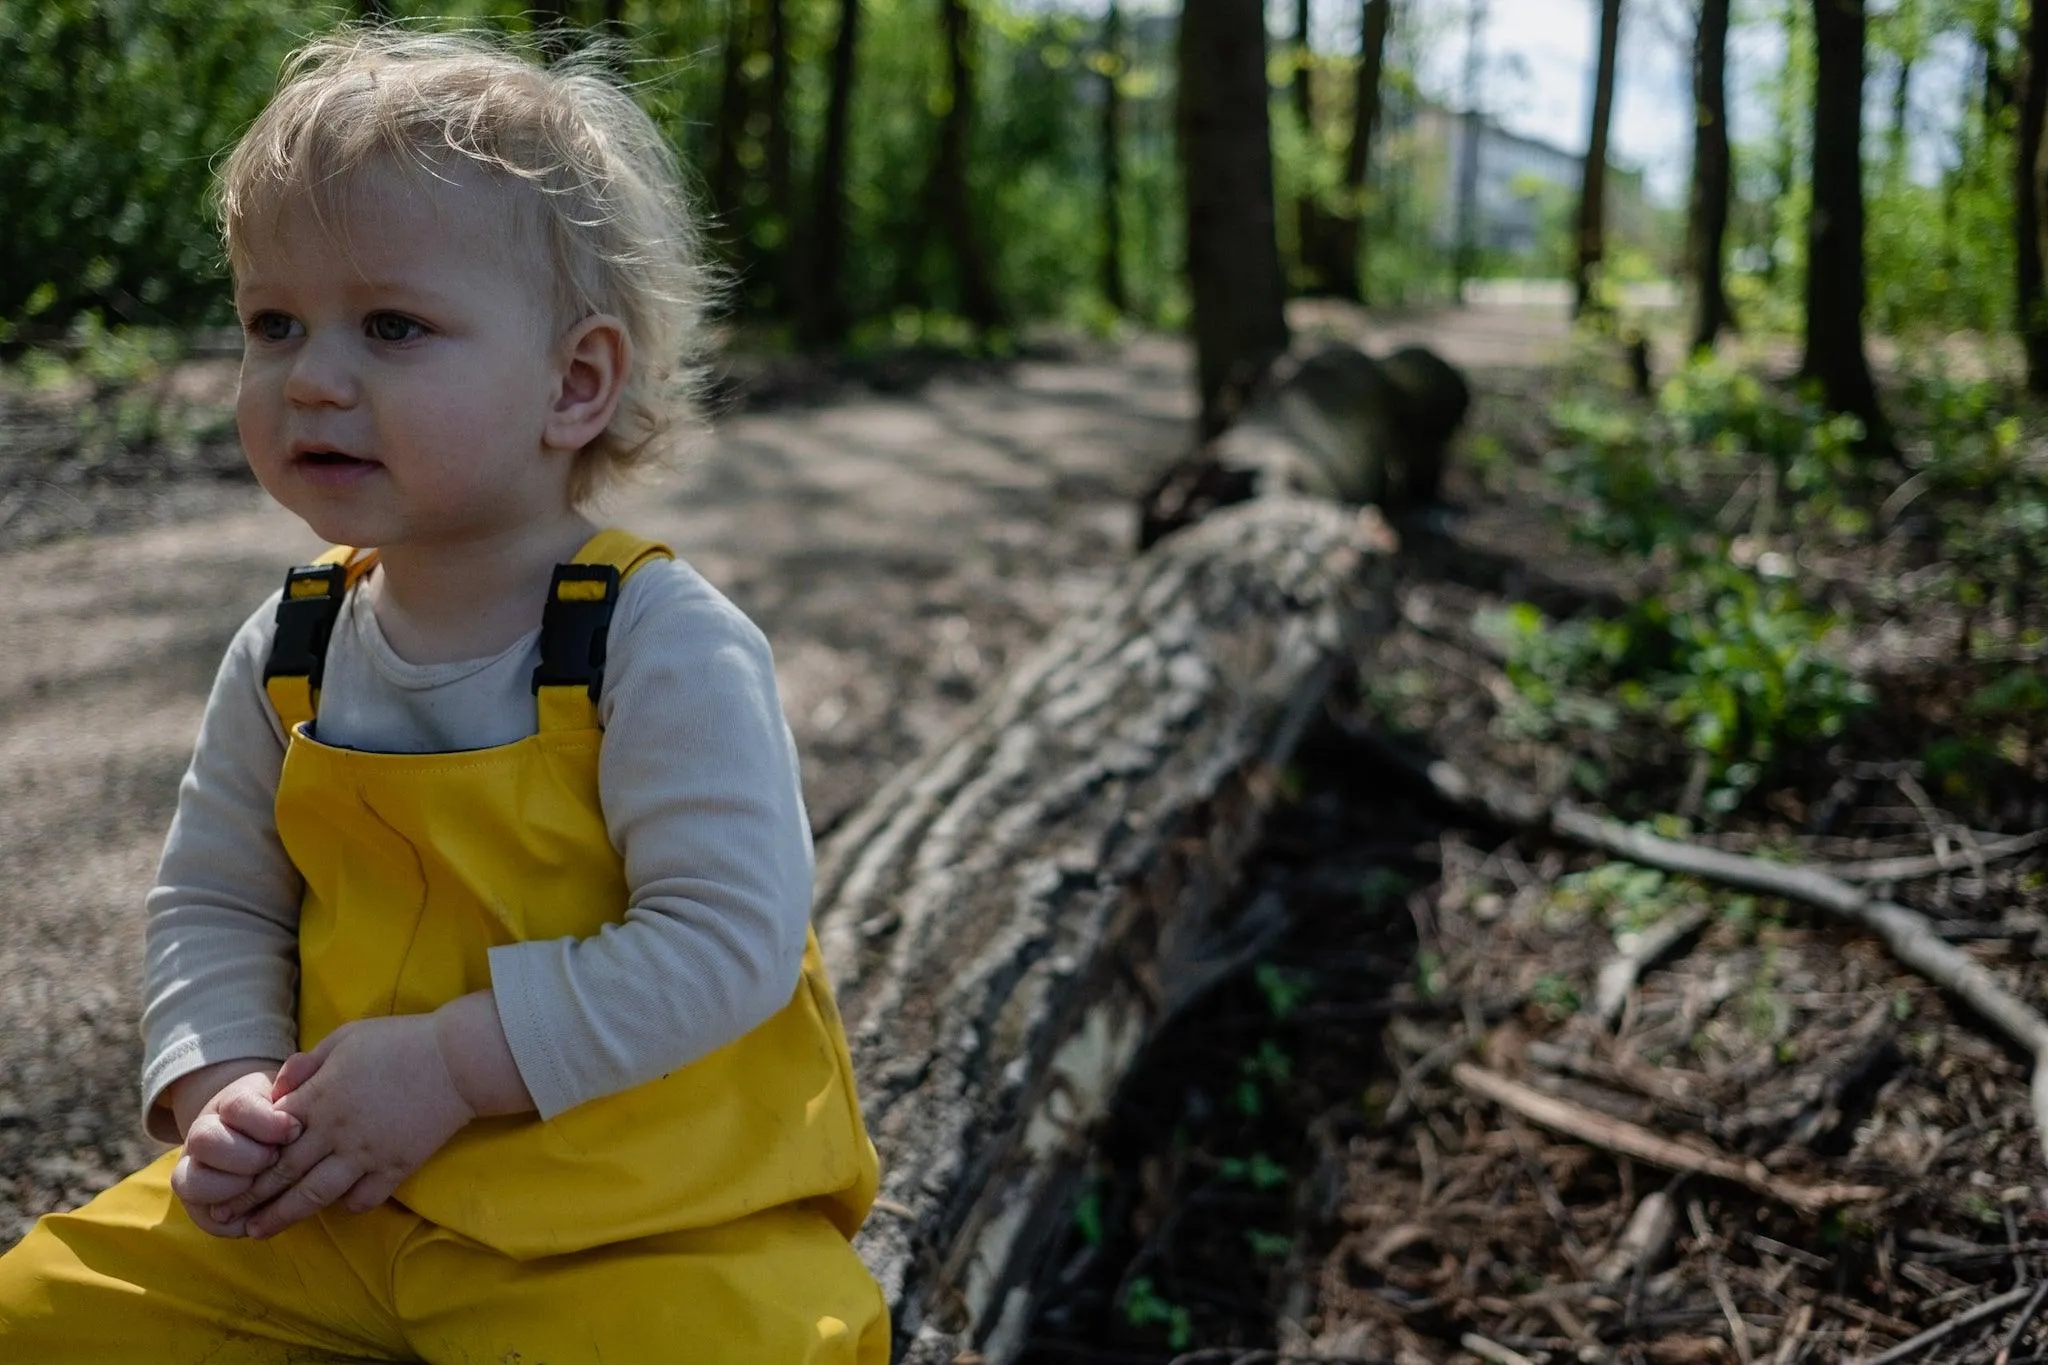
(1488, 1349)
(1636, 949)
(1633, 1140)
(1929, 865)
(1793, 1335)
(2019, 1327)
(1642, 1240)
(1908, 934)
(1912, 1346)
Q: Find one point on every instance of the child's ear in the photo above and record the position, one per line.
(594, 357)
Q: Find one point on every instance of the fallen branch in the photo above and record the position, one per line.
(1909, 935)
(1633, 1140)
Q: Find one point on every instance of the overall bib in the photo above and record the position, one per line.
(704, 1216)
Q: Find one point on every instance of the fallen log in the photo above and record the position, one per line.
(1013, 916)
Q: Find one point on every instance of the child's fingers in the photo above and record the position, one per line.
(322, 1185)
(300, 1066)
(291, 1166)
(211, 1141)
(370, 1191)
(252, 1116)
(195, 1182)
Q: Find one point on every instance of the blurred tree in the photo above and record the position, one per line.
(1835, 356)
(1233, 252)
(949, 204)
(1593, 185)
(2030, 304)
(781, 188)
(1712, 172)
(1345, 244)
(731, 123)
(1308, 219)
(822, 313)
(1112, 67)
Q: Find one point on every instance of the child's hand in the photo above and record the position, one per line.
(376, 1100)
(235, 1136)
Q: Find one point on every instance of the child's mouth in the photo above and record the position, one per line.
(331, 466)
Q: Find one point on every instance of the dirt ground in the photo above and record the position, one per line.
(898, 548)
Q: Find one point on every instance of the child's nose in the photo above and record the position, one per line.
(321, 374)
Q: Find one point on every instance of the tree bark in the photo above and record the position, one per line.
(1226, 157)
(1345, 235)
(1010, 919)
(2031, 304)
(1711, 172)
(823, 317)
(950, 197)
(1113, 159)
(1593, 186)
(1311, 252)
(1835, 355)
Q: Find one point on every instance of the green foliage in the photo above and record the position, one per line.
(1258, 1170)
(1145, 1307)
(1284, 990)
(109, 117)
(1732, 659)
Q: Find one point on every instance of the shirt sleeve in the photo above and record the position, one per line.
(699, 780)
(220, 974)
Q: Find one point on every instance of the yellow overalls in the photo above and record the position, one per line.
(702, 1217)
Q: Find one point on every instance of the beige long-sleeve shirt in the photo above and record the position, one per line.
(699, 783)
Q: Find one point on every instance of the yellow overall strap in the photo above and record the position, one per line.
(575, 624)
(306, 613)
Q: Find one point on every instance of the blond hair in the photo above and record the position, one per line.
(604, 194)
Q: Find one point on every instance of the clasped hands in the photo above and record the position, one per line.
(344, 1124)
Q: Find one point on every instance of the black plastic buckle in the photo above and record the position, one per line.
(305, 622)
(573, 630)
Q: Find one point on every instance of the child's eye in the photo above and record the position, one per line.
(393, 327)
(269, 326)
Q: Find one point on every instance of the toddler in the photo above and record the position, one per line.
(480, 987)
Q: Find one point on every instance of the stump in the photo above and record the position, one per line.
(1013, 916)
(1331, 422)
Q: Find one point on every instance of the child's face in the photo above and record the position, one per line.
(399, 364)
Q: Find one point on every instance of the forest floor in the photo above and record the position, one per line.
(1297, 1173)
(1319, 1166)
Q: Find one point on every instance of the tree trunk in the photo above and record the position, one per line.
(1311, 252)
(1226, 156)
(726, 200)
(1834, 254)
(1593, 186)
(823, 318)
(1113, 159)
(781, 192)
(1465, 258)
(1346, 240)
(1711, 173)
(1013, 916)
(952, 204)
(2031, 306)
